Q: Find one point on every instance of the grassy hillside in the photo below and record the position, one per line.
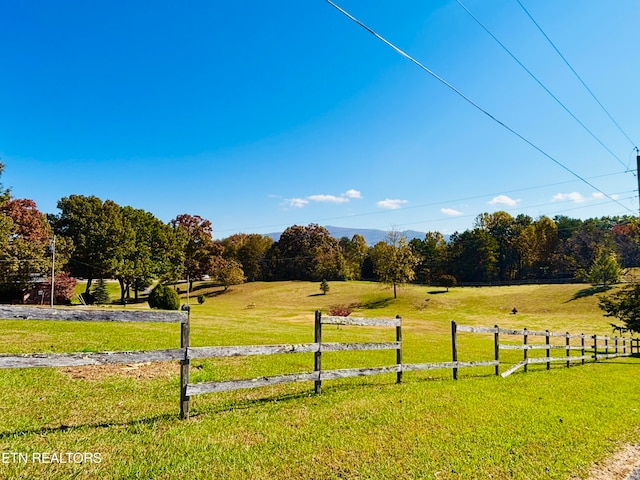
(536, 425)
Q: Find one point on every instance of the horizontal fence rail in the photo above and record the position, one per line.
(91, 315)
(591, 347)
(83, 359)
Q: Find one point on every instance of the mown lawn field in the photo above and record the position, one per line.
(541, 424)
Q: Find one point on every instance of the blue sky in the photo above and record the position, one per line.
(261, 115)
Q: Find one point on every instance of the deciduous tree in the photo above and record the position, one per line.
(394, 261)
(605, 269)
(433, 253)
(25, 238)
(96, 230)
(306, 253)
(249, 250)
(200, 251)
(227, 272)
(150, 250)
(354, 251)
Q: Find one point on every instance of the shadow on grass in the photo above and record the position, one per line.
(436, 292)
(71, 428)
(588, 292)
(226, 406)
(373, 304)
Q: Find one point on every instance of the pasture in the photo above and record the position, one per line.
(542, 424)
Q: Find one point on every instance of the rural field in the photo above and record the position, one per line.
(541, 424)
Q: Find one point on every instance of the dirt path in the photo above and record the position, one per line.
(618, 467)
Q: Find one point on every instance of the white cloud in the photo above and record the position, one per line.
(295, 202)
(573, 197)
(600, 196)
(503, 200)
(451, 212)
(320, 198)
(391, 204)
(352, 194)
(327, 198)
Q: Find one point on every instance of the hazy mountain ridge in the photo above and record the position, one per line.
(371, 236)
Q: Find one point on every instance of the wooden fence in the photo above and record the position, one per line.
(591, 347)
(101, 358)
(317, 348)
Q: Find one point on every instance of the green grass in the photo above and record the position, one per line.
(535, 425)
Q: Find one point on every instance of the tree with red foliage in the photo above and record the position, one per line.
(201, 252)
(25, 237)
(64, 290)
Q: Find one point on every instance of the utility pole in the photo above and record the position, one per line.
(53, 268)
(638, 172)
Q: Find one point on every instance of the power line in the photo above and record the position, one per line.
(577, 76)
(478, 107)
(539, 82)
(423, 205)
(524, 208)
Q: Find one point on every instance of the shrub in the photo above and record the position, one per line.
(324, 287)
(200, 299)
(340, 310)
(164, 298)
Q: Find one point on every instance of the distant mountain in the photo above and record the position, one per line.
(371, 236)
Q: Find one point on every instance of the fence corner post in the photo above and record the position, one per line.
(525, 343)
(496, 348)
(184, 363)
(399, 349)
(548, 344)
(454, 348)
(317, 358)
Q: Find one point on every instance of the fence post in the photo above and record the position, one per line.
(624, 345)
(615, 344)
(582, 345)
(548, 342)
(525, 341)
(317, 356)
(496, 348)
(184, 364)
(454, 348)
(399, 349)
(568, 345)
(595, 348)
(606, 345)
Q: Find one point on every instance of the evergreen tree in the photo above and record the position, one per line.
(99, 292)
(324, 287)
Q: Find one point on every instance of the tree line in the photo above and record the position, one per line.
(99, 239)
(499, 248)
